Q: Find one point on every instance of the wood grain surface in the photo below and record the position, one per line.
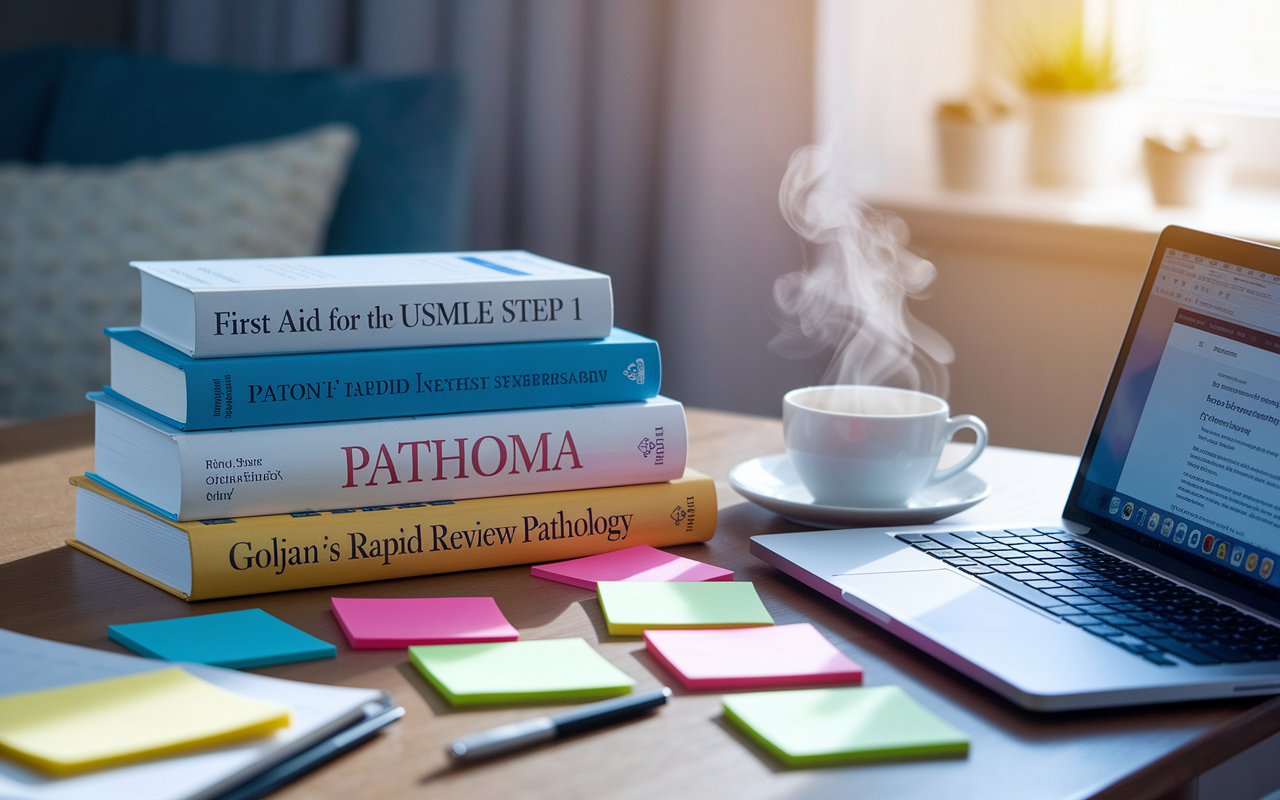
(686, 749)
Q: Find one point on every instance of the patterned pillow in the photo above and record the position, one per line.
(67, 235)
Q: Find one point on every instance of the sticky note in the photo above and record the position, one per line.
(531, 671)
(640, 563)
(818, 727)
(115, 720)
(371, 622)
(751, 658)
(237, 639)
(630, 608)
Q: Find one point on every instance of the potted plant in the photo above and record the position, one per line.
(981, 145)
(1186, 168)
(1083, 127)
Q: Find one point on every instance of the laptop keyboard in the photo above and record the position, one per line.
(1144, 613)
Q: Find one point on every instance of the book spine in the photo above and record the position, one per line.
(275, 470)
(279, 553)
(325, 387)
(315, 319)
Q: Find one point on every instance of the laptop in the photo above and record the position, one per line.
(1161, 580)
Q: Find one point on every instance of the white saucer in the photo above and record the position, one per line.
(771, 481)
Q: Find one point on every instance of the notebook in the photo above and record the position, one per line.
(317, 713)
(1158, 582)
(127, 718)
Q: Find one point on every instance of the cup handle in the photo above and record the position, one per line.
(954, 425)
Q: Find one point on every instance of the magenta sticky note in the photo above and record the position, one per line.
(372, 622)
(751, 658)
(640, 563)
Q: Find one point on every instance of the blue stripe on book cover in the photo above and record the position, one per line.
(292, 388)
(131, 497)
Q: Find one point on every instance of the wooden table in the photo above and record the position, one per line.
(685, 750)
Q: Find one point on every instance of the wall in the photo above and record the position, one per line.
(1036, 313)
(1035, 309)
(881, 67)
(643, 138)
(740, 101)
(82, 23)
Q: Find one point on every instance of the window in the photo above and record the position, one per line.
(883, 67)
(1217, 56)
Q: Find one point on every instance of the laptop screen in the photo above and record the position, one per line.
(1185, 453)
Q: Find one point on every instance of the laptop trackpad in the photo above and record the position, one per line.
(939, 600)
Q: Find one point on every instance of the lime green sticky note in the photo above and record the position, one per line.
(818, 727)
(630, 608)
(530, 671)
(115, 720)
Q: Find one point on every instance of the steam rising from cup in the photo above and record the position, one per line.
(851, 298)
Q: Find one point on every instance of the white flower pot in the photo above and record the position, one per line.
(1189, 177)
(1081, 140)
(985, 156)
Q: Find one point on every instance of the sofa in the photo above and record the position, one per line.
(72, 113)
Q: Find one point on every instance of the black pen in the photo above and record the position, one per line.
(304, 762)
(519, 735)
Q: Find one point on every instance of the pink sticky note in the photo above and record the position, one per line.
(751, 658)
(640, 563)
(371, 622)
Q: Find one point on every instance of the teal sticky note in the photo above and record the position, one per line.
(236, 639)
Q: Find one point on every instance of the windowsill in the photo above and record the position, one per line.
(1114, 225)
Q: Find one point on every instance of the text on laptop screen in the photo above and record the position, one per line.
(1189, 451)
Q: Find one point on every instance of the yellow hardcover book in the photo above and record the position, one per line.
(223, 558)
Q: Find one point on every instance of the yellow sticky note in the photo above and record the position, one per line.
(106, 722)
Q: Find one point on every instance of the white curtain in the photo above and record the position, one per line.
(642, 138)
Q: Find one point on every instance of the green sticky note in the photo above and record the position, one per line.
(117, 720)
(531, 671)
(819, 727)
(630, 608)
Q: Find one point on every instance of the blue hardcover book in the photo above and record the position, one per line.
(210, 393)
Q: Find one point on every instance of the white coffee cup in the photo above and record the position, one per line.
(871, 446)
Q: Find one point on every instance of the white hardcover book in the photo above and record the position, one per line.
(255, 306)
(244, 472)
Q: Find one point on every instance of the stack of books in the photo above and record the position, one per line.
(276, 424)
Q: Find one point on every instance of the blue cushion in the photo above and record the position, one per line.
(405, 191)
(28, 85)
